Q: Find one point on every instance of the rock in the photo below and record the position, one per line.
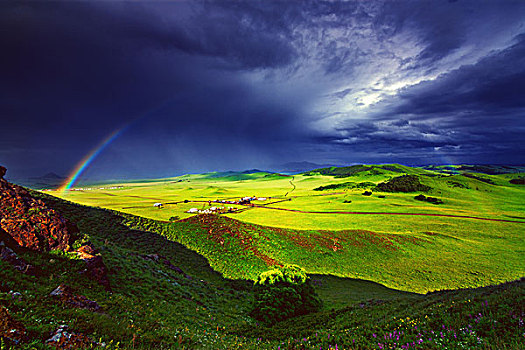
(69, 298)
(154, 257)
(63, 338)
(30, 222)
(95, 267)
(10, 329)
(87, 251)
(15, 295)
(7, 254)
(162, 259)
(3, 170)
(97, 270)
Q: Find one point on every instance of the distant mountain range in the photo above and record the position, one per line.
(48, 177)
(485, 169)
(49, 180)
(52, 180)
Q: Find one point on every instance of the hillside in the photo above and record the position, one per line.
(361, 169)
(164, 295)
(325, 224)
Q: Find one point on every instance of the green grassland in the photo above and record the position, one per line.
(154, 307)
(410, 253)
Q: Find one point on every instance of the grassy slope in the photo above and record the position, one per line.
(414, 262)
(149, 300)
(484, 318)
(153, 307)
(412, 253)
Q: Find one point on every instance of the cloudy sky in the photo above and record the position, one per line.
(216, 85)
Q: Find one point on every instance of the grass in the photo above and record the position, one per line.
(413, 261)
(151, 307)
(486, 318)
(150, 304)
(411, 253)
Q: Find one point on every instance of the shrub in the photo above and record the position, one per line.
(349, 184)
(432, 200)
(405, 183)
(282, 293)
(367, 193)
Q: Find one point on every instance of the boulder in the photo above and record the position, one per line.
(11, 330)
(69, 298)
(95, 267)
(165, 261)
(7, 254)
(63, 338)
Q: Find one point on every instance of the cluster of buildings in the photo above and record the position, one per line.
(219, 210)
(94, 188)
(243, 200)
(211, 210)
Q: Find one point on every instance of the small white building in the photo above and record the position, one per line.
(157, 205)
(193, 211)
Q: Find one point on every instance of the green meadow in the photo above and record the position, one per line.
(321, 221)
(153, 306)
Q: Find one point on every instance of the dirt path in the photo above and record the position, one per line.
(387, 213)
(293, 186)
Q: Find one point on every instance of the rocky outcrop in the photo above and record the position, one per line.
(7, 254)
(165, 261)
(69, 298)
(63, 338)
(30, 222)
(12, 331)
(95, 267)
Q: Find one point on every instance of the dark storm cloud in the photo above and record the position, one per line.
(77, 71)
(205, 85)
(478, 106)
(473, 110)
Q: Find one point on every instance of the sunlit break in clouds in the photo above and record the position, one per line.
(232, 85)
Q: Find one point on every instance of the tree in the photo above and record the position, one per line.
(282, 293)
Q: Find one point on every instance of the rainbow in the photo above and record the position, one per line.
(77, 171)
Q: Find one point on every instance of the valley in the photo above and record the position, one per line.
(323, 222)
(391, 271)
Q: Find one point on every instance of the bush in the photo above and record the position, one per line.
(405, 183)
(282, 293)
(520, 181)
(367, 193)
(432, 200)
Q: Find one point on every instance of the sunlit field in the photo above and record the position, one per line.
(474, 238)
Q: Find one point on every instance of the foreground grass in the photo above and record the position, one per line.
(485, 318)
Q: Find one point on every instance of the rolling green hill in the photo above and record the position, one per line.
(188, 305)
(325, 224)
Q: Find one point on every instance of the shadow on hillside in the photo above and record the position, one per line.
(105, 227)
(338, 292)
